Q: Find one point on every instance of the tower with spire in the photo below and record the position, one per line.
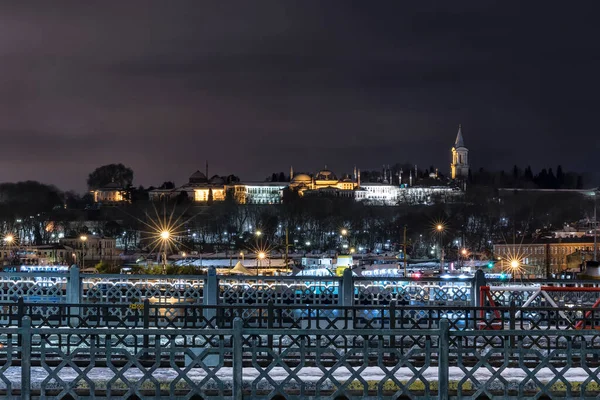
(459, 168)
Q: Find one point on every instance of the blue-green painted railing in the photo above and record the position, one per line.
(242, 363)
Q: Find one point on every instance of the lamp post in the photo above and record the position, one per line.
(514, 266)
(259, 257)
(83, 239)
(8, 241)
(440, 230)
(164, 236)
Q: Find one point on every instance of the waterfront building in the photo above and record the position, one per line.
(388, 191)
(111, 194)
(544, 256)
(94, 248)
(35, 255)
(198, 188)
(258, 192)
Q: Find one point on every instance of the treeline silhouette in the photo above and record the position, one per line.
(525, 178)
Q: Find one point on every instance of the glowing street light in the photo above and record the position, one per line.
(464, 252)
(344, 232)
(261, 255)
(9, 239)
(439, 228)
(514, 264)
(258, 233)
(165, 237)
(83, 239)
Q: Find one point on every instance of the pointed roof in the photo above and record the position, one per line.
(239, 269)
(459, 138)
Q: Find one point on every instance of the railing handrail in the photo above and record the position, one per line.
(325, 307)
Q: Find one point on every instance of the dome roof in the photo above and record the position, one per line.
(301, 178)
(197, 177)
(326, 175)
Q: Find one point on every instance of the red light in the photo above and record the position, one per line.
(417, 275)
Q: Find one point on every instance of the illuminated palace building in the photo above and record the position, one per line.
(390, 187)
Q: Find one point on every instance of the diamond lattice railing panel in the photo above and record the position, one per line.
(330, 366)
(122, 365)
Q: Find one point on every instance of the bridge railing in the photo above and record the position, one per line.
(346, 290)
(260, 363)
(146, 314)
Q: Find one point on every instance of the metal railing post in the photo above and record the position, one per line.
(476, 284)
(392, 312)
(26, 359)
(512, 322)
(20, 310)
(74, 294)
(270, 321)
(238, 360)
(146, 322)
(346, 298)
(211, 299)
(443, 359)
(211, 296)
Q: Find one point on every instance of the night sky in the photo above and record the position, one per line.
(256, 86)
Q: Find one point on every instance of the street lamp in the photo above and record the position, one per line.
(165, 235)
(440, 230)
(515, 267)
(83, 239)
(344, 232)
(259, 257)
(9, 240)
(258, 233)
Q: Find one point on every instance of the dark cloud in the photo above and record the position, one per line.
(256, 86)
